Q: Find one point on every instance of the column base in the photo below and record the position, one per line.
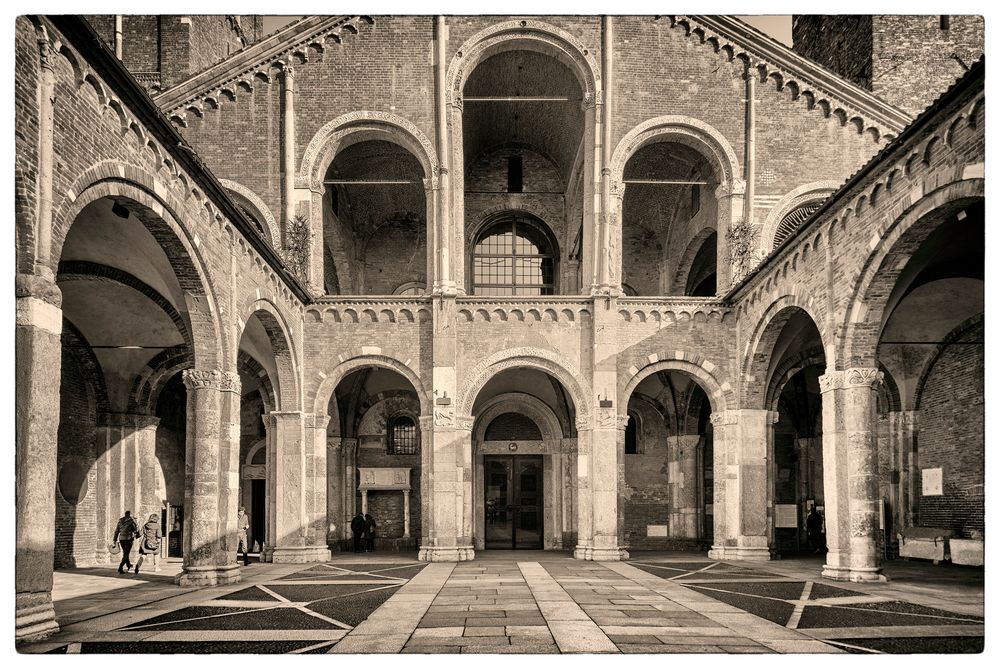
(612, 554)
(298, 554)
(34, 617)
(200, 577)
(745, 553)
(446, 554)
(854, 574)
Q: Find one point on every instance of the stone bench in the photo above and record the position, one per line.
(966, 551)
(927, 543)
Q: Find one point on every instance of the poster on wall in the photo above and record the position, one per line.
(932, 482)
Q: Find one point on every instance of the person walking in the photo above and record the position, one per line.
(242, 523)
(125, 533)
(150, 541)
(370, 533)
(358, 527)
(814, 530)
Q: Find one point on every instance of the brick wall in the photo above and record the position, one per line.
(842, 43)
(951, 437)
(75, 525)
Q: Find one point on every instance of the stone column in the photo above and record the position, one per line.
(584, 495)
(129, 476)
(317, 477)
(729, 200)
(293, 538)
(406, 514)
(456, 197)
(38, 357)
(904, 479)
(334, 489)
(204, 526)
(850, 474)
(229, 478)
(349, 485)
(682, 477)
(741, 441)
(450, 486)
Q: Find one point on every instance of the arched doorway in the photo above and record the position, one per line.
(523, 453)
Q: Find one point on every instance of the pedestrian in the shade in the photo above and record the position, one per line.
(242, 524)
(370, 533)
(149, 543)
(125, 533)
(814, 530)
(358, 527)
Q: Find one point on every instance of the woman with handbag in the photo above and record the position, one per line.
(150, 541)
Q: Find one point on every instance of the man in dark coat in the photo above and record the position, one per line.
(814, 530)
(369, 533)
(125, 534)
(358, 527)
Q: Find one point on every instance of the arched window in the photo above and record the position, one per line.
(514, 255)
(403, 435)
(793, 220)
(632, 435)
(410, 288)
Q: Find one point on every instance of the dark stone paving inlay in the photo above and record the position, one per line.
(263, 647)
(880, 614)
(770, 609)
(935, 644)
(354, 609)
(251, 594)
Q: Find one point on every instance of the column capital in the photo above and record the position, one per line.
(212, 379)
(853, 377)
(734, 186)
(37, 287)
(726, 417)
(317, 421)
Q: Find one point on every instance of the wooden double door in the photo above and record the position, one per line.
(513, 498)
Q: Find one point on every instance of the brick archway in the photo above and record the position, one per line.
(898, 241)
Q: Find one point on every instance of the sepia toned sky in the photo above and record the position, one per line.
(778, 27)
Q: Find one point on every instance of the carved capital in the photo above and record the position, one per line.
(214, 379)
(731, 187)
(727, 417)
(862, 376)
(464, 423)
(46, 54)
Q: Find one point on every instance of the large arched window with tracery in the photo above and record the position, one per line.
(514, 255)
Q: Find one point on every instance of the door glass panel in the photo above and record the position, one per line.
(498, 516)
(529, 487)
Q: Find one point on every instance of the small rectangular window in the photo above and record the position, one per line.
(945, 21)
(695, 199)
(334, 201)
(515, 175)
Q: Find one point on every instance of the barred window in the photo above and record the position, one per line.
(514, 256)
(403, 438)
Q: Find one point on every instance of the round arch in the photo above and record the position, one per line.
(793, 199)
(361, 126)
(329, 382)
(528, 405)
(761, 344)
(286, 386)
(789, 368)
(257, 206)
(686, 130)
(868, 303)
(208, 337)
(683, 272)
(720, 395)
(528, 34)
(533, 358)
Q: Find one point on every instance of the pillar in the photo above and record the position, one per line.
(406, 514)
(38, 355)
(730, 203)
(229, 475)
(334, 489)
(905, 473)
(850, 474)
(683, 483)
(450, 485)
(349, 485)
(741, 442)
(288, 145)
(599, 474)
(206, 470)
(316, 471)
(129, 476)
(291, 535)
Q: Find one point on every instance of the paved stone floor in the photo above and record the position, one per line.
(521, 602)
